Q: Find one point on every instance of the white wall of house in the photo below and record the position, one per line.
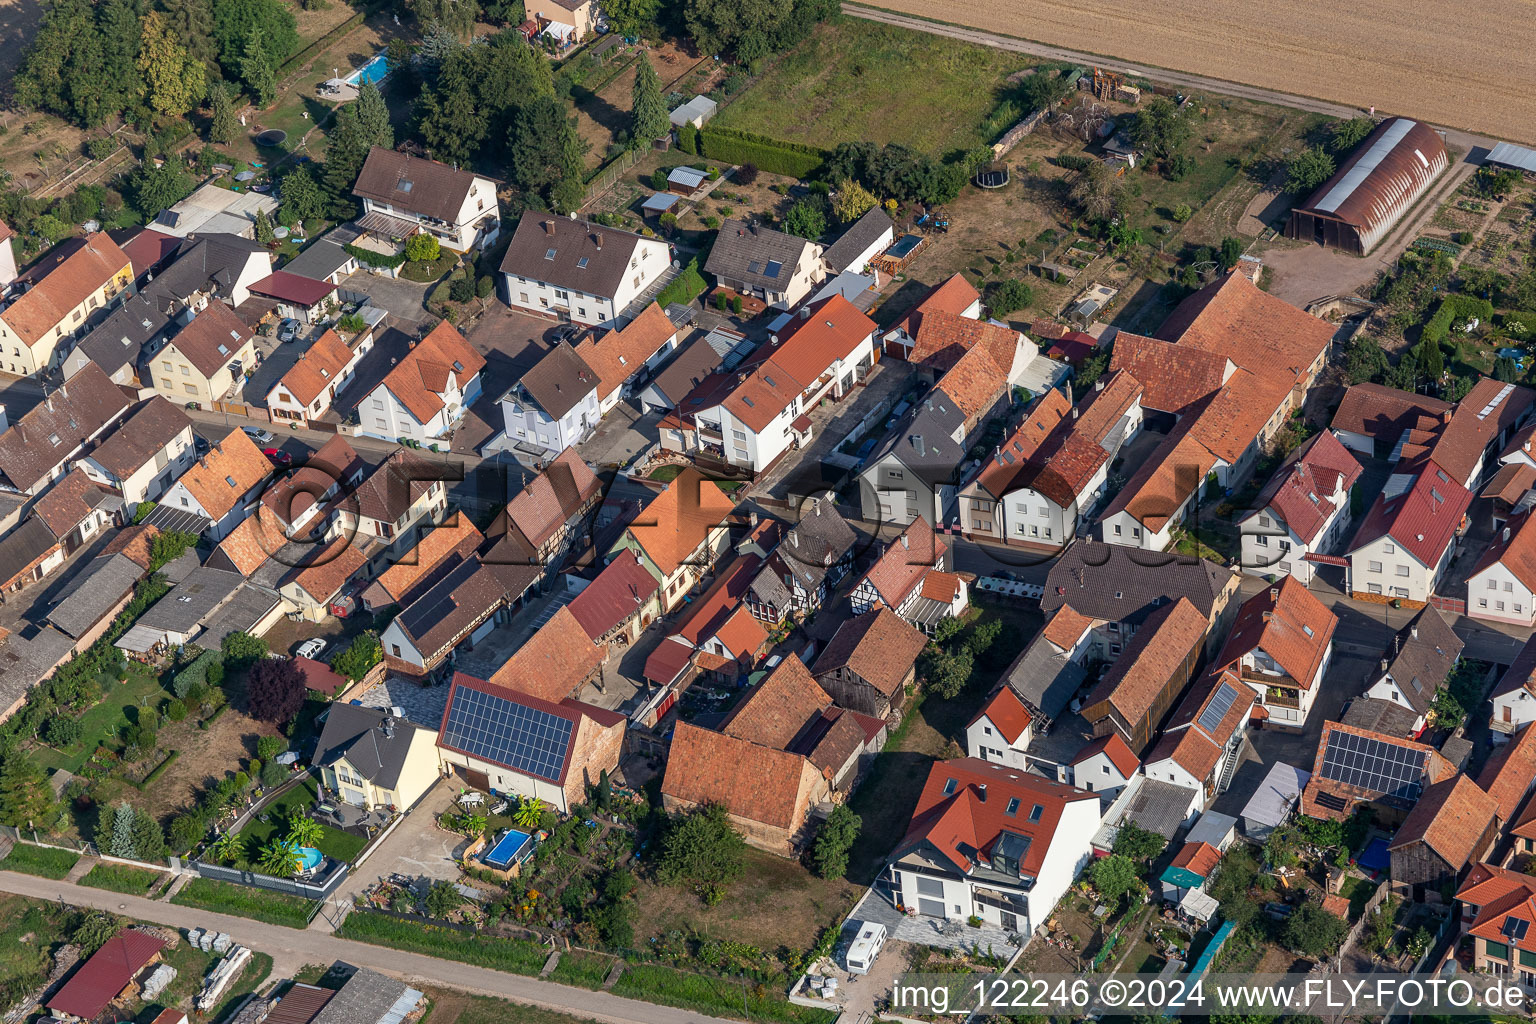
(180, 498)
(284, 405)
(1258, 663)
(384, 416)
(1513, 711)
(506, 781)
(1028, 515)
(984, 740)
(398, 645)
(153, 478)
(1071, 851)
(1384, 567)
(1388, 689)
(892, 493)
(1124, 528)
(524, 420)
(808, 273)
(1497, 595)
(646, 263)
(1097, 774)
(465, 232)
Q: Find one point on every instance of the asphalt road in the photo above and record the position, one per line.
(291, 949)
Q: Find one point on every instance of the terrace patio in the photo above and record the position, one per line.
(878, 906)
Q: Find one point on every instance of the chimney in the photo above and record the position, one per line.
(1098, 385)
(1274, 593)
(981, 792)
(1505, 535)
(549, 227)
(805, 312)
(597, 237)
(1267, 615)
(1414, 630)
(794, 539)
(1074, 412)
(752, 519)
(905, 544)
(1384, 664)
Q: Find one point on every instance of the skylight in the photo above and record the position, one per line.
(1035, 812)
(750, 404)
(1013, 807)
(549, 254)
(406, 185)
(949, 786)
(223, 351)
(1307, 630)
(230, 480)
(581, 264)
(773, 268)
(53, 439)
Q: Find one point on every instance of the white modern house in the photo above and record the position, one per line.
(991, 841)
(425, 395)
(777, 268)
(311, 385)
(1502, 587)
(1105, 765)
(1302, 510)
(554, 406)
(404, 195)
(577, 271)
(1000, 733)
(222, 485)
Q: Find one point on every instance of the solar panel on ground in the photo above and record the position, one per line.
(505, 732)
(1216, 710)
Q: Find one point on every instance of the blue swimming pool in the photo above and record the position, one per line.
(507, 848)
(310, 858)
(373, 71)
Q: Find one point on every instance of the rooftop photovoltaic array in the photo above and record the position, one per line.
(1374, 765)
(505, 732)
(1216, 710)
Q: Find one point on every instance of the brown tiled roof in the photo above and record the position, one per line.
(778, 709)
(750, 780)
(878, 646)
(1289, 623)
(679, 520)
(1156, 651)
(251, 543)
(1450, 818)
(1012, 461)
(421, 376)
(134, 543)
(466, 596)
(1234, 318)
(413, 183)
(905, 561)
(88, 267)
(222, 476)
(328, 568)
(1007, 712)
(805, 350)
(75, 411)
(550, 500)
(1383, 413)
(618, 593)
(607, 252)
(398, 483)
(1174, 471)
(1066, 627)
(318, 368)
(212, 339)
(140, 437)
(1234, 416)
(554, 662)
(1510, 772)
(619, 355)
(1511, 483)
(559, 380)
(1499, 895)
(456, 534)
(942, 338)
(1172, 376)
(941, 586)
(954, 295)
(68, 502)
(980, 374)
(1489, 409)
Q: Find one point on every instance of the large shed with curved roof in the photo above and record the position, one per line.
(1368, 195)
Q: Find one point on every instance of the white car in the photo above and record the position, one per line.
(311, 648)
(289, 331)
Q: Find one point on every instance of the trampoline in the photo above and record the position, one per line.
(992, 176)
(272, 137)
(1375, 857)
(509, 849)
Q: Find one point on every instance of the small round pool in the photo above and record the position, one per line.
(272, 137)
(310, 858)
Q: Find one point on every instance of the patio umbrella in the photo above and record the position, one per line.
(245, 175)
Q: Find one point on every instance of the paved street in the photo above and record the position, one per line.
(291, 949)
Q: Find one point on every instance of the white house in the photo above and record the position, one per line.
(866, 238)
(1105, 765)
(956, 296)
(457, 207)
(1203, 743)
(900, 576)
(457, 612)
(222, 485)
(553, 406)
(392, 506)
(1416, 664)
(1302, 510)
(621, 357)
(1407, 540)
(1000, 733)
(574, 270)
(777, 268)
(1502, 586)
(1514, 699)
(991, 841)
(1281, 645)
(326, 367)
(425, 395)
(144, 456)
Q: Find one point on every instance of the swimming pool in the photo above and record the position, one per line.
(505, 852)
(373, 71)
(310, 858)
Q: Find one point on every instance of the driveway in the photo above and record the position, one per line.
(623, 434)
(401, 298)
(417, 848)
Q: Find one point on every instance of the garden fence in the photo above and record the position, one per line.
(290, 886)
(609, 173)
(14, 834)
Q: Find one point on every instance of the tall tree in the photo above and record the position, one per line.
(302, 199)
(155, 188)
(1160, 128)
(271, 20)
(60, 69)
(119, 73)
(1307, 170)
(544, 147)
(853, 201)
(649, 109)
(632, 18)
(222, 122)
(1096, 190)
(449, 114)
(120, 839)
(717, 25)
(173, 82)
(457, 16)
(510, 73)
(257, 71)
(25, 798)
(359, 127)
(191, 22)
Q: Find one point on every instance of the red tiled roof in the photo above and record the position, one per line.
(1066, 627)
(1488, 410)
(1514, 548)
(877, 646)
(1172, 376)
(778, 708)
(981, 372)
(455, 535)
(1450, 818)
(679, 520)
(1510, 772)
(550, 500)
(328, 569)
(902, 565)
(955, 295)
(1233, 317)
(961, 824)
(421, 376)
(1112, 746)
(750, 780)
(1237, 413)
(1287, 622)
(619, 355)
(553, 662)
(235, 458)
(1007, 713)
(250, 544)
(133, 542)
(1422, 517)
(942, 338)
(319, 677)
(1199, 858)
(619, 591)
(93, 986)
(318, 368)
(1499, 894)
(806, 349)
(289, 287)
(941, 586)
(704, 616)
(1300, 489)
(1511, 483)
(1174, 471)
(1012, 461)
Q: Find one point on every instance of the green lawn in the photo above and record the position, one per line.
(584, 970)
(858, 80)
(336, 844)
(103, 724)
(122, 878)
(245, 901)
(516, 956)
(39, 860)
(724, 997)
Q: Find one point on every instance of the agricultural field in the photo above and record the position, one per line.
(856, 80)
(1419, 60)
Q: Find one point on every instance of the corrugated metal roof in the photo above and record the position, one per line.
(1510, 155)
(97, 982)
(301, 1005)
(1355, 176)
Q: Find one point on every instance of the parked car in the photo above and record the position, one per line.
(311, 648)
(260, 436)
(277, 456)
(289, 331)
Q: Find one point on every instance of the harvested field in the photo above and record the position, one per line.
(1421, 60)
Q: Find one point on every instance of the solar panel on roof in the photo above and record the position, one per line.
(1373, 765)
(1217, 709)
(1332, 801)
(495, 729)
(1515, 929)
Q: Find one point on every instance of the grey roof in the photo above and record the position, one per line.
(140, 437)
(559, 381)
(744, 252)
(23, 546)
(191, 600)
(95, 592)
(48, 433)
(1420, 656)
(768, 587)
(1212, 828)
(1272, 802)
(859, 289)
(183, 566)
(1383, 716)
(1457, 750)
(117, 341)
(1510, 155)
(204, 263)
(1044, 679)
(923, 442)
(683, 372)
(325, 255)
(820, 540)
(860, 236)
(1159, 807)
(24, 661)
(1123, 584)
(465, 596)
(369, 997)
(372, 740)
(240, 614)
(569, 253)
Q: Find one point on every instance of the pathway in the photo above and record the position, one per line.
(291, 949)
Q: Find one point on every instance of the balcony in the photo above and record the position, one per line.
(1282, 698)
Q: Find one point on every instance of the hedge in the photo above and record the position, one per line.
(195, 674)
(682, 288)
(733, 146)
(159, 769)
(1452, 308)
(369, 258)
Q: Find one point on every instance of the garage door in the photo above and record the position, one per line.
(476, 780)
(930, 908)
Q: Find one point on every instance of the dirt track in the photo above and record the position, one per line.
(1428, 60)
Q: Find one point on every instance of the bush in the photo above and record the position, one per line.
(1006, 297)
(687, 284)
(61, 730)
(734, 146)
(1455, 309)
(659, 179)
(422, 248)
(515, 956)
(242, 650)
(703, 850)
(836, 838)
(462, 289)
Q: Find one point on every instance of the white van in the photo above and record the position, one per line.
(866, 947)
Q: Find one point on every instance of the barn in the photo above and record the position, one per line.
(1368, 195)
